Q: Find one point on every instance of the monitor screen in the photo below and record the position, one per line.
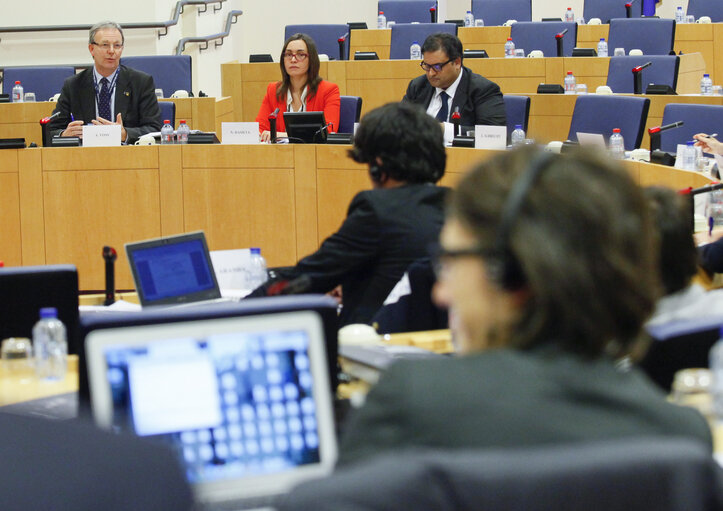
(306, 127)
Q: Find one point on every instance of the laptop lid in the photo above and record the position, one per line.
(244, 402)
(173, 269)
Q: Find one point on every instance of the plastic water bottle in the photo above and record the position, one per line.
(258, 274)
(518, 135)
(617, 145)
(51, 345)
(415, 51)
(715, 361)
(569, 15)
(509, 48)
(689, 156)
(469, 19)
(18, 94)
(706, 85)
(602, 48)
(679, 15)
(381, 20)
(167, 132)
(182, 132)
(570, 83)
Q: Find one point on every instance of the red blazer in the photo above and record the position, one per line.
(325, 100)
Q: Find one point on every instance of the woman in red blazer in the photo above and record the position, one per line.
(300, 88)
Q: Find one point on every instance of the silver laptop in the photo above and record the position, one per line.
(244, 402)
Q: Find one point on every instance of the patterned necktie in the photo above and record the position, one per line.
(104, 101)
(444, 111)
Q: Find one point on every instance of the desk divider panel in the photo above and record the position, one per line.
(10, 238)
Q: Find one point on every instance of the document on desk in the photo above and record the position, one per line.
(101, 135)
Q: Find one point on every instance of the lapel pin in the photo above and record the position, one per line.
(127, 93)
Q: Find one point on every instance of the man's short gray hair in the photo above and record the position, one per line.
(102, 25)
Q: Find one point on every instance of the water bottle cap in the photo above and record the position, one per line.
(518, 126)
(167, 121)
(415, 42)
(706, 75)
(48, 312)
(381, 12)
(569, 72)
(17, 82)
(509, 39)
(616, 130)
(690, 142)
(602, 39)
(182, 121)
(255, 250)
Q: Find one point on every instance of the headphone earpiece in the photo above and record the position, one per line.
(376, 172)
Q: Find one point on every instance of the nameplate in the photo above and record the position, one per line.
(490, 137)
(101, 135)
(239, 132)
(591, 139)
(233, 267)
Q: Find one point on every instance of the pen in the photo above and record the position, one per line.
(711, 223)
(712, 136)
(72, 118)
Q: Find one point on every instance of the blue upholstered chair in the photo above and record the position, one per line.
(349, 113)
(407, 11)
(664, 71)
(602, 114)
(697, 119)
(652, 36)
(539, 35)
(496, 12)
(326, 37)
(609, 9)
(710, 8)
(168, 111)
(404, 34)
(45, 82)
(169, 72)
(518, 111)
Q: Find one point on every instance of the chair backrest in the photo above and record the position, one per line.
(407, 11)
(697, 119)
(710, 8)
(349, 113)
(540, 35)
(518, 111)
(652, 36)
(404, 34)
(169, 72)
(609, 9)
(326, 37)
(664, 71)
(496, 12)
(168, 111)
(602, 114)
(44, 81)
(644, 474)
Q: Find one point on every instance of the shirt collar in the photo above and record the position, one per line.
(289, 99)
(98, 77)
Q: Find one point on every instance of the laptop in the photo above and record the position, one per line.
(173, 270)
(244, 402)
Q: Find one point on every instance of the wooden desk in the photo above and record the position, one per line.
(15, 388)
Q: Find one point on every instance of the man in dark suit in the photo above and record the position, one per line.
(108, 93)
(388, 227)
(448, 86)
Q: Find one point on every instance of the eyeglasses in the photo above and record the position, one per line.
(108, 46)
(442, 256)
(299, 55)
(437, 67)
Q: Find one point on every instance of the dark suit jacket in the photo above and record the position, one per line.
(135, 100)
(384, 231)
(479, 99)
(511, 398)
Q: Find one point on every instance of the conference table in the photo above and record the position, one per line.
(62, 205)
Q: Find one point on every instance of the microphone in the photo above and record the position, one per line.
(456, 116)
(44, 127)
(272, 124)
(629, 9)
(638, 77)
(558, 40)
(655, 132)
(322, 132)
(46, 120)
(637, 69)
(341, 42)
(295, 286)
(433, 14)
(703, 189)
(109, 255)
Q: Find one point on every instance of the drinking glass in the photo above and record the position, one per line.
(30, 97)
(619, 52)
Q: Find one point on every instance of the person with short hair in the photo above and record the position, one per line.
(447, 86)
(108, 93)
(301, 89)
(389, 226)
(548, 265)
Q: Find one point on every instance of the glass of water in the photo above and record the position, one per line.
(30, 97)
(479, 22)
(159, 93)
(619, 52)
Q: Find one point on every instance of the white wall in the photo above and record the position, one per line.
(259, 30)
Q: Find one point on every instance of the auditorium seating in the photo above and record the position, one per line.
(710, 8)
(697, 119)
(349, 113)
(652, 36)
(518, 111)
(609, 9)
(169, 72)
(602, 114)
(664, 71)
(168, 111)
(497, 12)
(326, 37)
(404, 34)
(539, 35)
(407, 11)
(44, 81)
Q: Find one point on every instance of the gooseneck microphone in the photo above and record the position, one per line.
(655, 132)
(629, 9)
(109, 255)
(433, 15)
(558, 39)
(638, 77)
(272, 124)
(44, 127)
(456, 117)
(342, 44)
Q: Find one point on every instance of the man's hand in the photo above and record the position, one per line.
(74, 129)
(118, 120)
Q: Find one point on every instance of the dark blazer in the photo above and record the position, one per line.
(135, 100)
(479, 99)
(511, 398)
(384, 231)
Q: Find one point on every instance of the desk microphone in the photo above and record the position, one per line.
(703, 189)
(342, 41)
(629, 9)
(109, 255)
(433, 14)
(44, 127)
(295, 286)
(558, 40)
(272, 124)
(638, 77)
(456, 116)
(655, 132)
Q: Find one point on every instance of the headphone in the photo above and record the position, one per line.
(502, 265)
(376, 171)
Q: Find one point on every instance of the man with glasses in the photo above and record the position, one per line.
(108, 93)
(448, 86)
